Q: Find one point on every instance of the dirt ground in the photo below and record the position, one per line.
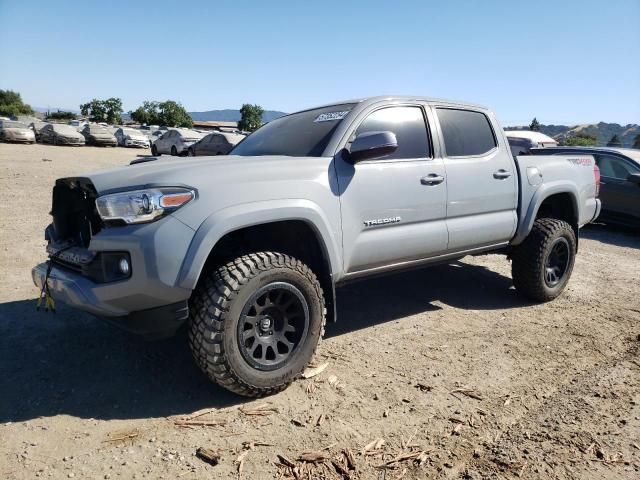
(449, 367)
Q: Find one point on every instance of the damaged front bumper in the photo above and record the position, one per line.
(148, 301)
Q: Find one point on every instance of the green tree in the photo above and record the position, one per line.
(109, 110)
(167, 113)
(59, 115)
(580, 140)
(251, 118)
(11, 104)
(172, 114)
(146, 114)
(636, 141)
(534, 126)
(615, 141)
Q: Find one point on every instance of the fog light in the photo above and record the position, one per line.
(123, 266)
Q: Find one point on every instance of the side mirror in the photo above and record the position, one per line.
(634, 178)
(372, 144)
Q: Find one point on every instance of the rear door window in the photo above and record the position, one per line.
(466, 133)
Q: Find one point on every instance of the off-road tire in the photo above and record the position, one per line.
(529, 259)
(215, 310)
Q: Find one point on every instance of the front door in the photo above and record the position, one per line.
(393, 207)
(482, 185)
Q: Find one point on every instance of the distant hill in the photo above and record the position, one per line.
(231, 115)
(602, 131)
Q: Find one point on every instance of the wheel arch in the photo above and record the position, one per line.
(556, 200)
(297, 228)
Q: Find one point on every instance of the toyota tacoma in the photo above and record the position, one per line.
(248, 249)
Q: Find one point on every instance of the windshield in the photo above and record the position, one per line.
(11, 124)
(303, 134)
(63, 128)
(95, 129)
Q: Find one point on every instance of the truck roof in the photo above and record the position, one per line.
(390, 98)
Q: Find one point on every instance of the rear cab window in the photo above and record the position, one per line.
(466, 133)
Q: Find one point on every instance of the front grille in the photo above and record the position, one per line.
(75, 218)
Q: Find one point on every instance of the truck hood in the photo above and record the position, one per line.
(221, 182)
(197, 172)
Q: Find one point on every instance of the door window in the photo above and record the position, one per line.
(408, 124)
(613, 167)
(466, 133)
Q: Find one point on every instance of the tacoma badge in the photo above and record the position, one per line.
(382, 221)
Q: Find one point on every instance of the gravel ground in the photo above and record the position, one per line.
(447, 366)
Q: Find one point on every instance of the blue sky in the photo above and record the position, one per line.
(562, 61)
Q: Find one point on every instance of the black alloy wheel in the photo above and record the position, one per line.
(557, 262)
(273, 323)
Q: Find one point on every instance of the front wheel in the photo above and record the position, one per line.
(191, 153)
(154, 150)
(255, 323)
(174, 151)
(543, 263)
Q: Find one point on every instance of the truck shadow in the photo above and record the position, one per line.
(69, 363)
(370, 302)
(612, 234)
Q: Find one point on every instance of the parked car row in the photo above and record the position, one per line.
(161, 140)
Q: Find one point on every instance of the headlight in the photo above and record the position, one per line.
(141, 206)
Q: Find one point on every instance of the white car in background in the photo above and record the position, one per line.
(521, 141)
(175, 142)
(11, 131)
(128, 137)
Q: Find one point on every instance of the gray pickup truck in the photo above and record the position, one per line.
(247, 249)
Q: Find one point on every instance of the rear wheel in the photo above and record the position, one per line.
(154, 150)
(256, 322)
(543, 263)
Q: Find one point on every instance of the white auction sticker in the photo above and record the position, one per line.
(329, 116)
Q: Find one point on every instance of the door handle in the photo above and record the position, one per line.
(432, 179)
(501, 174)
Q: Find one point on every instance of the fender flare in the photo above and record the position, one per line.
(541, 194)
(230, 219)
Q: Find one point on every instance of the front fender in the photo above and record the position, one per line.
(227, 220)
(543, 192)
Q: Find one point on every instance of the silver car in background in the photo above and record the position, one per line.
(12, 131)
(176, 142)
(128, 137)
(217, 143)
(99, 136)
(60, 134)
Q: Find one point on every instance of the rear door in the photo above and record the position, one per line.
(620, 197)
(214, 145)
(482, 188)
(163, 144)
(390, 213)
